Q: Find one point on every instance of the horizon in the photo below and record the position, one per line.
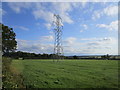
(75, 55)
(94, 24)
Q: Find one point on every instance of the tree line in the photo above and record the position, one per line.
(27, 55)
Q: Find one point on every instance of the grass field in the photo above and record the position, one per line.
(68, 73)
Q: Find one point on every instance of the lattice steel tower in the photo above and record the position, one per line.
(58, 49)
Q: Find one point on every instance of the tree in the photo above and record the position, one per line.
(9, 44)
(75, 57)
(108, 56)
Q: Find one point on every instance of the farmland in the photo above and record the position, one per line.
(67, 73)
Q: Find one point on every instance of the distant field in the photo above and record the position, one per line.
(68, 73)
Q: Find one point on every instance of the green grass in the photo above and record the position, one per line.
(68, 73)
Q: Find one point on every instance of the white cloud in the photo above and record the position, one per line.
(81, 30)
(60, 8)
(85, 27)
(96, 39)
(102, 41)
(112, 26)
(96, 15)
(17, 7)
(21, 43)
(38, 24)
(84, 3)
(48, 25)
(71, 46)
(111, 10)
(70, 40)
(108, 11)
(41, 14)
(2, 12)
(89, 39)
(22, 28)
(47, 38)
(106, 45)
(40, 11)
(34, 47)
(63, 10)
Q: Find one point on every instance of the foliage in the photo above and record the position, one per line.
(27, 55)
(10, 80)
(75, 57)
(106, 56)
(9, 43)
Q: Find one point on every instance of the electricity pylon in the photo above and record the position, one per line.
(58, 49)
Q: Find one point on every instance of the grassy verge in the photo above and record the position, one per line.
(10, 77)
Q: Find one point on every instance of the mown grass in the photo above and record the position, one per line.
(68, 73)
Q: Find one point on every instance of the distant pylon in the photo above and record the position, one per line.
(58, 49)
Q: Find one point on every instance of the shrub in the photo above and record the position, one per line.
(9, 78)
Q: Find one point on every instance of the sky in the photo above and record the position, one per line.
(89, 28)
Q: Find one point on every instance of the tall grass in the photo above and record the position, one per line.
(10, 79)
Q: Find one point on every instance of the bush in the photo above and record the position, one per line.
(10, 79)
(6, 62)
